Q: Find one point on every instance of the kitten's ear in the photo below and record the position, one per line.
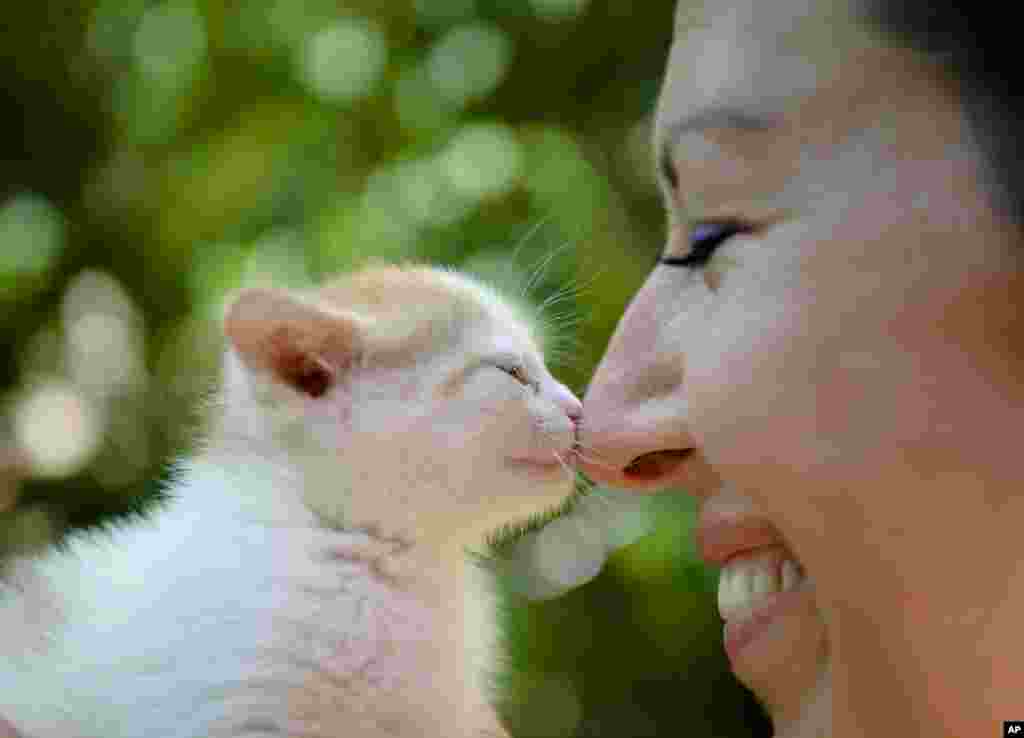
(303, 345)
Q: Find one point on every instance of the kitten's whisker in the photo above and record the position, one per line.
(545, 262)
(571, 290)
(578, 450)
(576, 287)
(538, 269)
(593, 279)
(596, 462)
(560, 322)
(562, 354)
(556, 297)
(554, 319)
(566, 342)
(561, 346)
(566, 313)
(584, 445)
(550, 435)
(568, 320)
(529, 235)
(563, 462)
(581, 449)
(564, 290)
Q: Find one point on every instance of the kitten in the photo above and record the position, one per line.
(307, 576)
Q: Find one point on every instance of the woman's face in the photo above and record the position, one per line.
(843, 366)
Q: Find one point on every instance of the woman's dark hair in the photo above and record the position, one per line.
(977, 47)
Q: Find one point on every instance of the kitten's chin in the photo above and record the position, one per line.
(519, 493)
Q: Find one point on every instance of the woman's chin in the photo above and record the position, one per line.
(811, 718)
(781, 654)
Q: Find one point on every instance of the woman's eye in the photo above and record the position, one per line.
(704, 239)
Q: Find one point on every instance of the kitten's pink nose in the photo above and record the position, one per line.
(566, 400)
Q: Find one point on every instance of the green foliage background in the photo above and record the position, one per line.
(158, 154)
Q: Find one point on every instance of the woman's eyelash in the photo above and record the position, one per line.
(704, 238)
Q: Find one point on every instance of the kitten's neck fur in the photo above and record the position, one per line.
(431, 585)
(265, 488)
(233, 612)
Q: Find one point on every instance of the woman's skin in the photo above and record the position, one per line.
(848, 373)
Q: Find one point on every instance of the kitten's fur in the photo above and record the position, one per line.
(306, 578)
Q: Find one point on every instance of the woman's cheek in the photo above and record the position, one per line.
(741, 353)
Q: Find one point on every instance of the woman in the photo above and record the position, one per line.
(829, 356)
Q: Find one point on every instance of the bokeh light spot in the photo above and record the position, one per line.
(57, 427)
(344, 61)
(568, 553)
(169, 48)
(564, 183)
(31, 234)
(112, 26)
(169, 43)
(420, 190)
(414, 192)
(483, 161)
(103, 352)
(103, 334)
(469, 62)
(103, 331)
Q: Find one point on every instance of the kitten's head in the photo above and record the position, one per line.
(411, 399)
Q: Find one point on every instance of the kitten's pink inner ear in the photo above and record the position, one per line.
(305, 372)
(303, 345)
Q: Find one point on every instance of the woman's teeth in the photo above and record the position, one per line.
(747, 581)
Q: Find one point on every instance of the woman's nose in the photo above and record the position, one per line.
(628, 445)
(634, 432)
(639, 448)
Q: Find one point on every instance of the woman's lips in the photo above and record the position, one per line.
(725, 530)
(762, 589)
(768, 610)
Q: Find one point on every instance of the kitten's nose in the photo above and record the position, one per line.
(566, 400)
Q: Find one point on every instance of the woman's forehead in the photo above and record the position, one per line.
(755, 56)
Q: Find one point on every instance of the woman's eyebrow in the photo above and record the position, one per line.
(717, 117)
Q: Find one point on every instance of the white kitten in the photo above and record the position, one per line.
(307, 576)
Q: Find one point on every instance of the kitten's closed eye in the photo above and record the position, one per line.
(517, 373)
(511, 364)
